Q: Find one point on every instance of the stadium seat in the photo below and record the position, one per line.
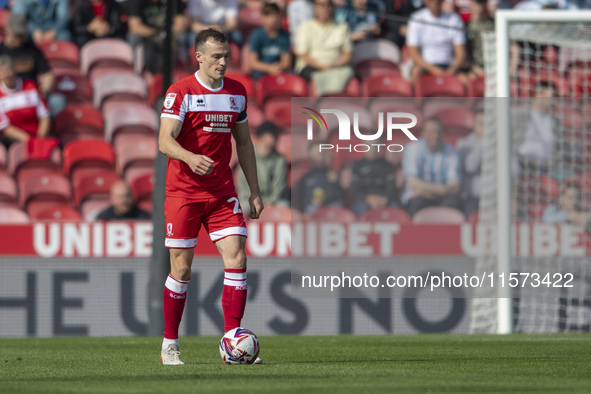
(87, 153)
(439, 86)
(143, 187)
(106, 52)
(57, 212)
(91, 208)
(352, 89)
(119, 87)
(130, 119)
(457, 121)
(386, 85)
(283, 86)
(280, 214)
(75, 87)
(146, 205)
(255, 118)
(44, 188)
(4, 14)
(135, 151)
(438, 215)
(94, 184)
(78, 122)
(331, 214)
(389, 215)
(375, 57)
(542, 188)
(293, 146)
(23, 156)
(245, 68)
(528, 80)
(61, 54)
(579, 80)
(8, 191)
(476, 87)
(249, 19)
(12, 215)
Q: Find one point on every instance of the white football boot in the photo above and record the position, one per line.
(170, 355)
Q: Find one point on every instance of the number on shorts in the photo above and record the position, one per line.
(236, 205)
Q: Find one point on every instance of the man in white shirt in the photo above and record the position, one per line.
(221, 15)
(436, 42)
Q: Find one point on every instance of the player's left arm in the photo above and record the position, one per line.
(247, 160)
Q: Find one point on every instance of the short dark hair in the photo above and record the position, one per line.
(209, 34)
(271, 9)
(268, 127)
(545, 85)
(433, 119)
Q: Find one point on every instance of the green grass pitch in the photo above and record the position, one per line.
(297, 364)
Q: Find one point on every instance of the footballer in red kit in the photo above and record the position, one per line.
(200, 115)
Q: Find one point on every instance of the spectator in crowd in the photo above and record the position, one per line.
(269, 45)
(324, 50)
(436, 42)
(479, 22)
(96, 19)
(221, 15)
(271, 169)
(470, 150)
(146, 26)
(122, 205)
(395, 30)
(298, 11)
(320, 186)
(29, 62)
(23, 111)
(373, 183)
(432, 170)
(361, 17)
(461, 7)
(538, 147)
(568, 209)
(47, 20)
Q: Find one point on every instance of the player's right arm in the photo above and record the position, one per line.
(169, 146)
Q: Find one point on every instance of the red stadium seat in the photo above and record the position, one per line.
(93, 184)
(58, 212)
(75, 87)
(87, 153)
(476, 87)
(45, 188)
(542, 188)
(78, 122)
(528, 81)
(132, 118)
(438, 215)
(248, 85)
(457, 121)
(12, 215)
(91, 208)
(4, 14)
(62, 54)
(255, 118)
(580, 81)
(293, 146)
(106, 52)
(283, 86)
(155, 85)
(146, 205)
(249, 19)
(375, 57)
(21, 157)
(389, 215)
(352, 89)
(386, 85)
(245, 68)
(119, 87)
(439, 86)
(143, 187)
(280, 214)
(7, 188)
(331, 214)
(135, 151)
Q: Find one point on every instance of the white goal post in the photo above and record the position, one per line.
(503, 19)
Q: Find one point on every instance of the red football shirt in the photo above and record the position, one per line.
(208, 116)
(23, 106)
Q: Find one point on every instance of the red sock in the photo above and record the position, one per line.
(174, 303)
(234, 297)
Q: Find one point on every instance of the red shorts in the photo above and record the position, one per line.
(221, 217)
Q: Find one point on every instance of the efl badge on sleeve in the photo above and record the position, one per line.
(169, 101)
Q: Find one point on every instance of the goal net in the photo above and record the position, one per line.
(542, 85)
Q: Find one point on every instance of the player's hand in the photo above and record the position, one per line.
(201, 165)
(256, 206)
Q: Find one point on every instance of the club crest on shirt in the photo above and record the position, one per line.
(169, 101)
(169, 229)
(233, 104)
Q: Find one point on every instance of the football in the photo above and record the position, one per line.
(239, 346)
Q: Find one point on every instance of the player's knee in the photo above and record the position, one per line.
(237, 262)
